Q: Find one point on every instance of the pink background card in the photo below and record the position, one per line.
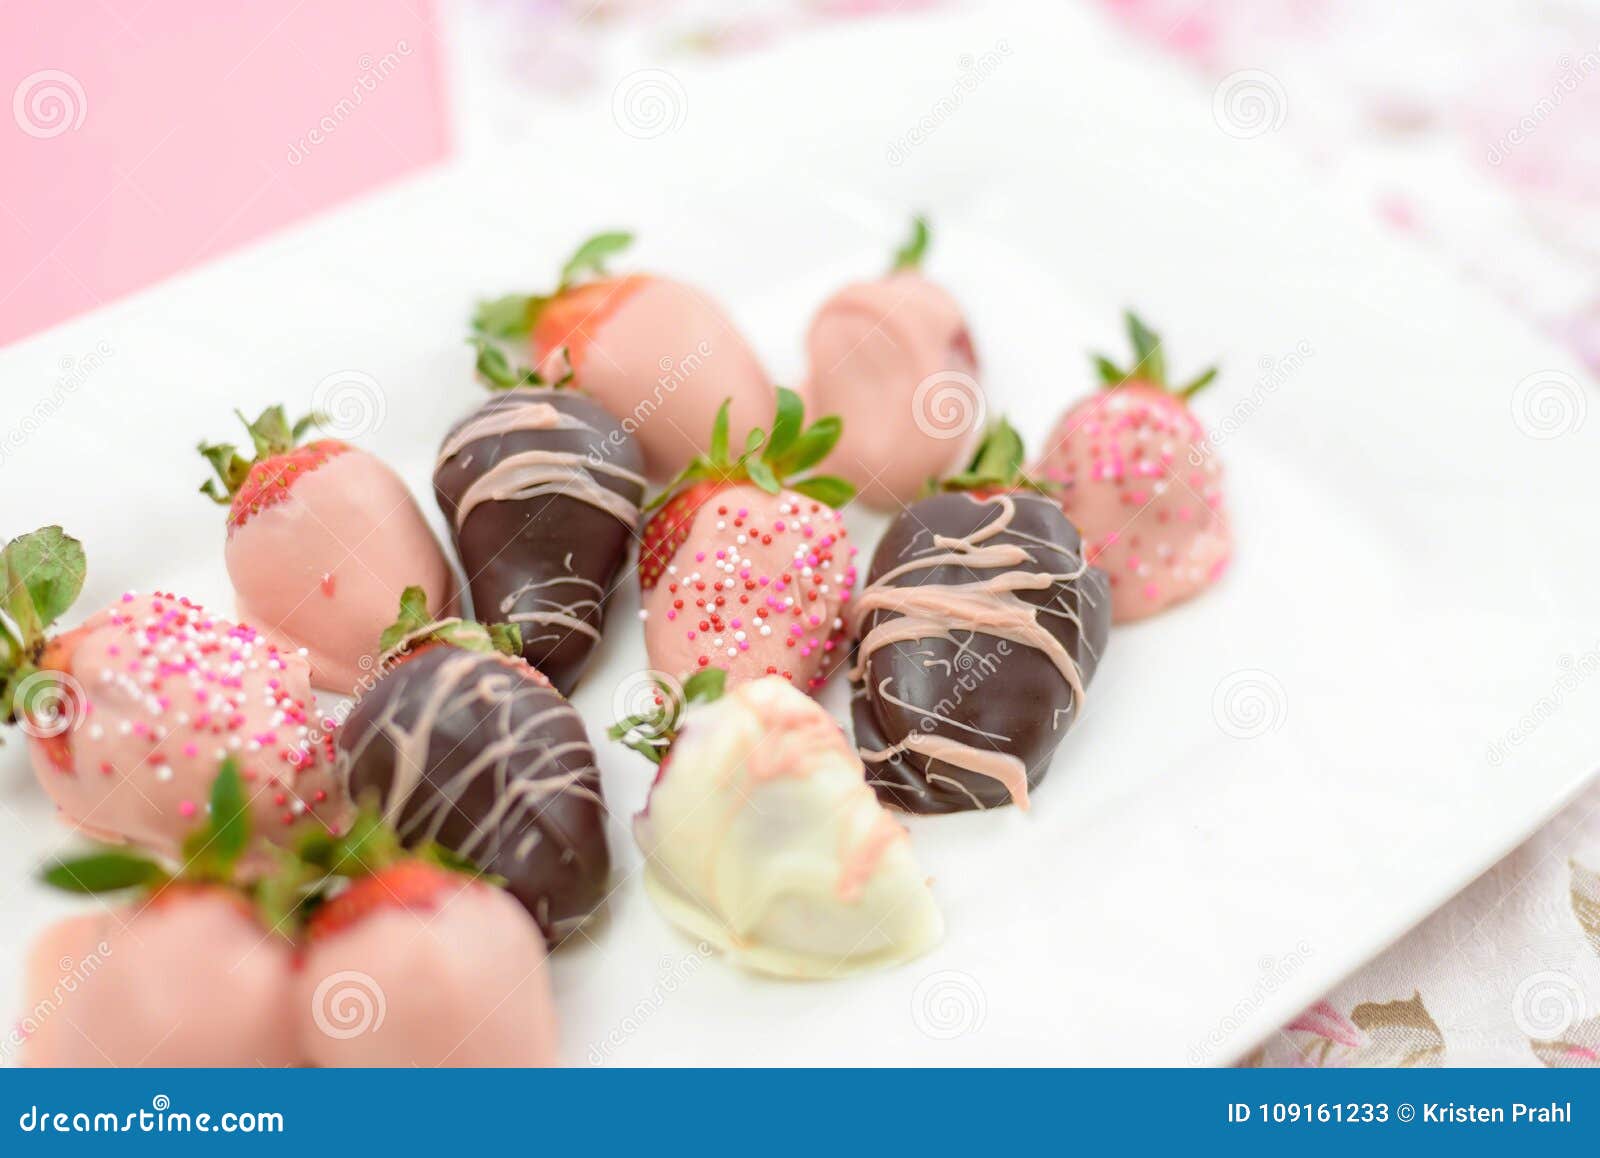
(140, 139)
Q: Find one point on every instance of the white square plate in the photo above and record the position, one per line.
(1269, 783)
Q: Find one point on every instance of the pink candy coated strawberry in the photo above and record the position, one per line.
(1142, 483)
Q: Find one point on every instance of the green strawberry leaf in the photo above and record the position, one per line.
(910, 255)
(812, 445)
(995, 465)
(825, 488)
(43, 574)
(212, 849)
(786, 424)
(761, 474)
(718, 450)
(1199, 382)
(271, 434)
(506, 638)
(705, 686)
(413, 618)
(592, 255)
(505, 317)
(111, 870)
(495, 368)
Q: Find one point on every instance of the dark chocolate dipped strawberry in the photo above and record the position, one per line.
(468, 747)
(657, 353)
(541, 487)
(977, 634)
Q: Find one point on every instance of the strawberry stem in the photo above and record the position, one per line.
(651, 733)
(1150, 364)
(271, 434)
(909, 256)
(996, 465)
(416, 625)
(770, 461)
(514, 315)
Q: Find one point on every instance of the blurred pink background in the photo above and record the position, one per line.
(144, 139)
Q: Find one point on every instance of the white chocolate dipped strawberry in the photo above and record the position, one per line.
(1142, 483)
(762, 836)
(128, 714)
(416, 964)
(894, 358)
(658, 354)
(743, 571)
(192, 972)
(322, 539)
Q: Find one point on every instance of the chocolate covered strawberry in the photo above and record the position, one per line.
(417, 964)
(464, 745)
(322, 539)
(1141, 481)
(542, 490)
(658, 354)
(894, 357)
(128, 714)
(743, 570)
(977, 635)
(193, 971)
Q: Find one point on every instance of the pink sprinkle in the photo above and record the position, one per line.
(186, 808)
